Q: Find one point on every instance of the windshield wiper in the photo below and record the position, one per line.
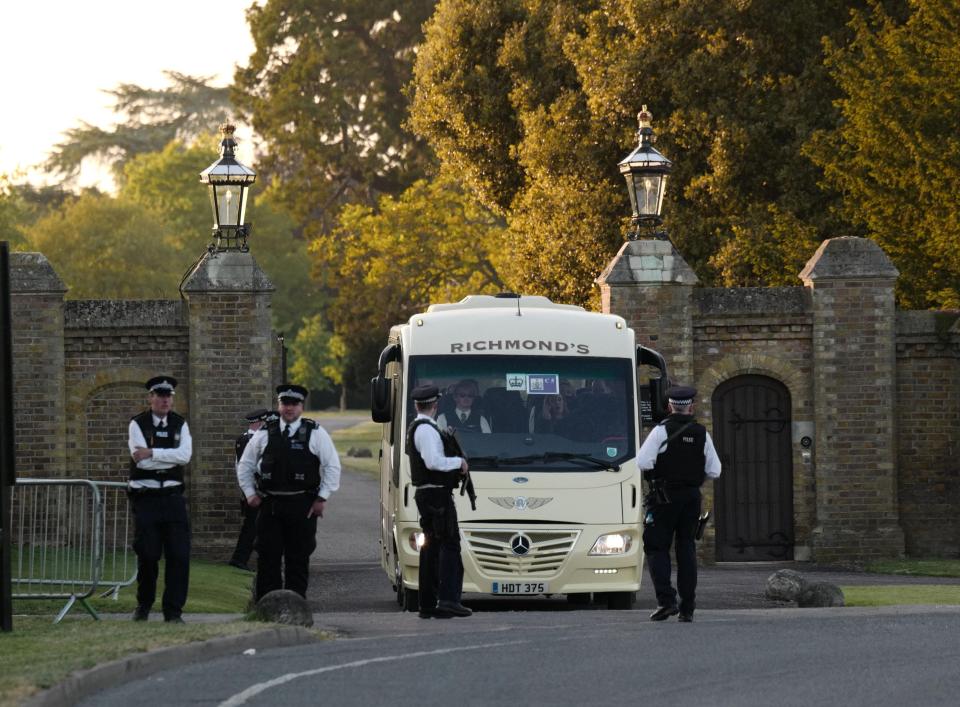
(545, 458)
(577, 456)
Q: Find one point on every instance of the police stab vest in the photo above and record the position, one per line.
(682, 462)
(242, 442)
(419, 473)
(158, 439)
(288, 465)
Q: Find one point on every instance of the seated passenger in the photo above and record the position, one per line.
(464, 416)
(546, 416)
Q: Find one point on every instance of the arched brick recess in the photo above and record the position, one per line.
(98, 414)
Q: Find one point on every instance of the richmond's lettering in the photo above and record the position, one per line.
(496, 345)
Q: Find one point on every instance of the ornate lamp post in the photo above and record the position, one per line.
(229, 183)
(646, 171)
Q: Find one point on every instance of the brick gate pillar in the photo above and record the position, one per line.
(649, 284)
(852, 281)
(230, 359)
(36, 311)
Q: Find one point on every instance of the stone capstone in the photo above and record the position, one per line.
(283, 606)
(650, 262)
(820, 594)
(785, 585)
(230, 271)
(32, 273)
(849, 258)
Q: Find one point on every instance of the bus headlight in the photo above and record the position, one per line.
(416, 540)
(612, 544)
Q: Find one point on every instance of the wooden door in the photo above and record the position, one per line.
(754, 494)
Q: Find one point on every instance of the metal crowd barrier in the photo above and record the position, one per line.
(70, 538)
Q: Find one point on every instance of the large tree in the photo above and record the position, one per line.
(534, 103)
(433, 243)
(324, 90)
(147, 120)
(895, 154)
(105, 247)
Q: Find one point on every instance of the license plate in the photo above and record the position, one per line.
(520, 588)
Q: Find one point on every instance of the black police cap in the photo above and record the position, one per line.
(425, 394)
(161, 385)
(261, 415)
(291, 390)
(681, 394)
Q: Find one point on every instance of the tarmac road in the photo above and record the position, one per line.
(741, 650)
(745, 658)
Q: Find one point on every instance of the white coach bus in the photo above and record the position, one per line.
(553, 459)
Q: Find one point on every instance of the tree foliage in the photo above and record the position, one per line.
(431, 244)
(324, 91)
(895, 153)
(534, 104)
(105, 247)
(149, 119)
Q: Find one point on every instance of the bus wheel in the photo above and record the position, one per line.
(621, 600)
(398, 581)
(411, 599)
(579, 599)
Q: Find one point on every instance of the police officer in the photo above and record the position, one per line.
(435, 475)
(676, 458)
(160, 446)
(248, 530)
(298, 471)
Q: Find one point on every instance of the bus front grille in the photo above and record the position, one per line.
(545, 550)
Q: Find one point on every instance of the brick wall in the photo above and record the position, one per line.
(110, 349)
(928, 432)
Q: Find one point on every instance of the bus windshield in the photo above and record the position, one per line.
(538, 413)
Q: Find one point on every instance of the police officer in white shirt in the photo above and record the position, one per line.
(160, 447)
(435, 475)
(676, 458)
(288, 470)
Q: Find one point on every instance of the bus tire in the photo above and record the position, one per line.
(397, 579)
(621, 601)
(411, 599)
(579, 598)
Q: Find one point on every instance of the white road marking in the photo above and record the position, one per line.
(254, 690)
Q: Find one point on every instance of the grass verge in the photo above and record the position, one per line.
(366, 436)
(916, 568)
(902, 594)
(39, 654)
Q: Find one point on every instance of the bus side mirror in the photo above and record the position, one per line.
(380, 408)
(658, 398)
(657, 386)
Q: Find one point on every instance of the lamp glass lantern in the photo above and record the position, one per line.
(646, 171)
(229, 182)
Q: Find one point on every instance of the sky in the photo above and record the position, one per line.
(58, 55)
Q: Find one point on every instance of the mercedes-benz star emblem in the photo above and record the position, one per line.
(520, 544)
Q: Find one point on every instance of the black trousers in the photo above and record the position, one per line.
(161, 528)
(674, 521)
(441, 569)
(285, 540)
(248, 533)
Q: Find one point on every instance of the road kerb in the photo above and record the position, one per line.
(85, 683)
